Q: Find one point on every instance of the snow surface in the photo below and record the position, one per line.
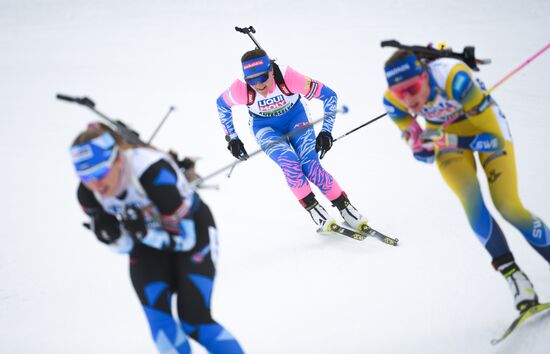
(281, 288)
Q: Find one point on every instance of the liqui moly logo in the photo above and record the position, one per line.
(253, 64)
(272, 104)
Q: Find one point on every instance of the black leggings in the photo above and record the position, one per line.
(157, 275)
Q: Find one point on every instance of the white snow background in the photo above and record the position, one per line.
(281, 288)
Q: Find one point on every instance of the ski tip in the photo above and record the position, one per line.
(394, 242)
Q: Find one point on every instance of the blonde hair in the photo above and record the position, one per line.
(96, 129)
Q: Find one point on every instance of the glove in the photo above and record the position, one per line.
(105, 227)
(185, 164)
(437, 138)
(411, 136)
(236, 147)
(133, 222)
(323, 142)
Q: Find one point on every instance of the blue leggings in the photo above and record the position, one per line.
(295, 156)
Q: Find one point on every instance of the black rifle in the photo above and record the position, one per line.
(429, 53)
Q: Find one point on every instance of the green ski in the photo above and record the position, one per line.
(521, 319)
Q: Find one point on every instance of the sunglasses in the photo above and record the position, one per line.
(258, 79)
(411, 89)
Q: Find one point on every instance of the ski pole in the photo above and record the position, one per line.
(343, 110)
(518, 68)
(512, 73)
(170, 110)
(359, 127)
(249, 30)
(232, 165)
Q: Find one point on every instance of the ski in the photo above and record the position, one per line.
(521, 319)
(344, 231)
(369, 231)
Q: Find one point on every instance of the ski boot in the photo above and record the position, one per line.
(351, 215)
(521, 287)
(318, 213)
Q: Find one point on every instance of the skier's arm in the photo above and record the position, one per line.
(160, 184)
(409, 127)
(460, 86)
(234, 95)
(105, 226)
(309, 88)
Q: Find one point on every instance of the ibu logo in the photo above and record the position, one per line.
(272, 104)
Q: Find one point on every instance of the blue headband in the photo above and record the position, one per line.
(403, 69)
(256, 66)
(93, 159)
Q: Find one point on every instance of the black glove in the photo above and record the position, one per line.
(105, 227)
(185, 164)
(236, 147)
(323, 143)
(133, 221)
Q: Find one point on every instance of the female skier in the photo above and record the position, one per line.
(461, 122)
(139, 202)
(273, 95)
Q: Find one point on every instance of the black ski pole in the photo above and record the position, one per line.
(127, 134)
(249, 30)
(359, 127)
(170, 110)
(197, 183)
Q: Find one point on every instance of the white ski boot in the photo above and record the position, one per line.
(521, 287)
(318, 213)
(350, 214)
(322, 218)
